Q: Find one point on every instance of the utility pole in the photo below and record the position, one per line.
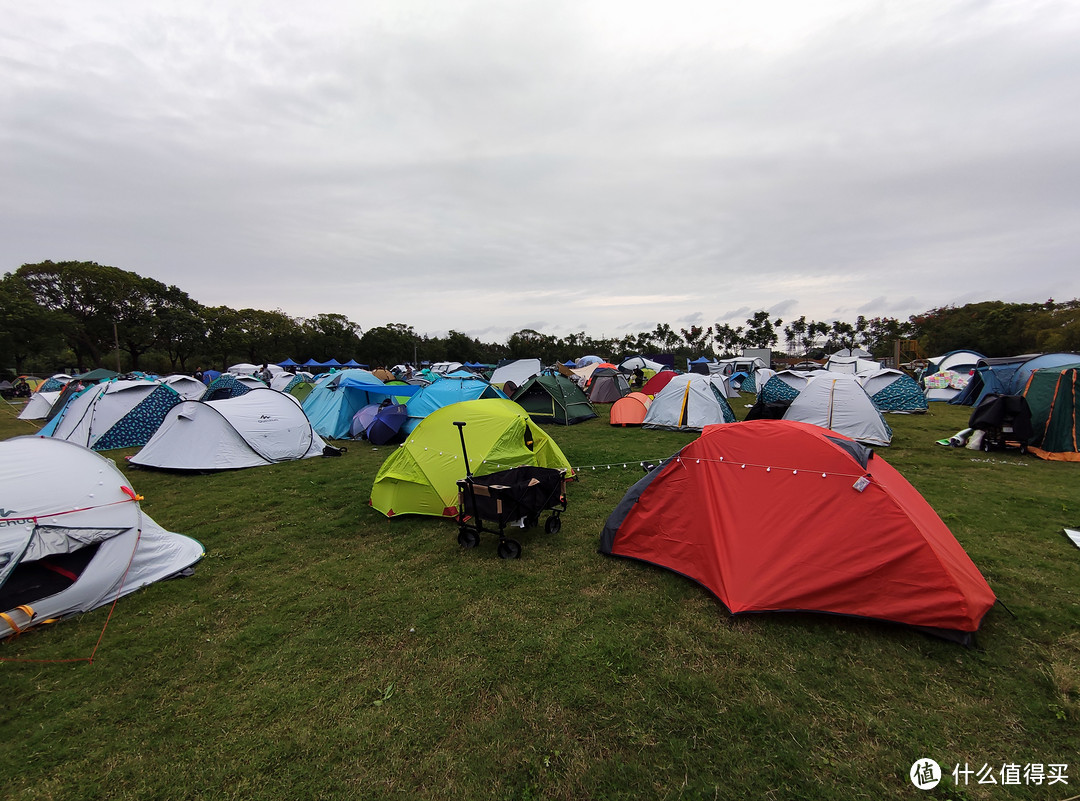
(116, 339)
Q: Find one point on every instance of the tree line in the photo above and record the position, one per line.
(87, 315)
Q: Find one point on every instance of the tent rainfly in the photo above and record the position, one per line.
(838, 402)
(852, 537)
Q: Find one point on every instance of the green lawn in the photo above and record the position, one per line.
(323, 651)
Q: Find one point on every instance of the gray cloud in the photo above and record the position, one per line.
(473, 167)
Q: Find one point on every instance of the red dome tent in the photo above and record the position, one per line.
(658, 382)
(836, 543)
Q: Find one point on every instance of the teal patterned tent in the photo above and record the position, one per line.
(225, 386)
(776, 389)
(894, 391)
(136, 427)
(114, 414)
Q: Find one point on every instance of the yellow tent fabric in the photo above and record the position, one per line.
(420, 477)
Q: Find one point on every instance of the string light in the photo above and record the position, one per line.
(650, 464)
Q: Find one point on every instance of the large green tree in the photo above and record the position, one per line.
(224, 337)
(331, 336)
(93, 296)
(761, 330)
(27, 328)
(387, 345)
(992, 328)
(182, 331)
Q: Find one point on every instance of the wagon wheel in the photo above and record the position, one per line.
(467, 538)
(553, 524)
(509, 549)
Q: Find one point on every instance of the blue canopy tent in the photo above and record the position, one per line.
(312, 363)
(353, 363)
(332, 363)
(288, 363)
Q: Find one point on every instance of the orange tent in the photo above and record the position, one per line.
(630, 410)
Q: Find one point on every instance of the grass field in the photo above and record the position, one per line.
(322, 651)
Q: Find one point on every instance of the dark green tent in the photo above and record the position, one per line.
(1053, 395)
(554, 398)
(100, 374)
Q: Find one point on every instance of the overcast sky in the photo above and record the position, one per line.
(596, 165)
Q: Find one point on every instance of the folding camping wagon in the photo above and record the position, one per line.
(517, 496)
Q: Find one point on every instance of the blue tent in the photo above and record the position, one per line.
(387, 423)
(1007, 375)
(288, 363)
(334, 401)
(698, 365)
(354, 363)
(445, 391)
(1023, 373)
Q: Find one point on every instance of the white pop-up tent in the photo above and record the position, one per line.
(72, 534)
(37, 408)
(186, 386)
(258, 428)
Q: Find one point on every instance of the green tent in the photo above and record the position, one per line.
(1053, 395)
(554, 399)
(100, 374)
(421, 476)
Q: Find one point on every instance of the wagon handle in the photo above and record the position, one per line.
(465, 453)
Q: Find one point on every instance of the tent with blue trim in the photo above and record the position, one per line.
(226, 386)
(114, 414)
